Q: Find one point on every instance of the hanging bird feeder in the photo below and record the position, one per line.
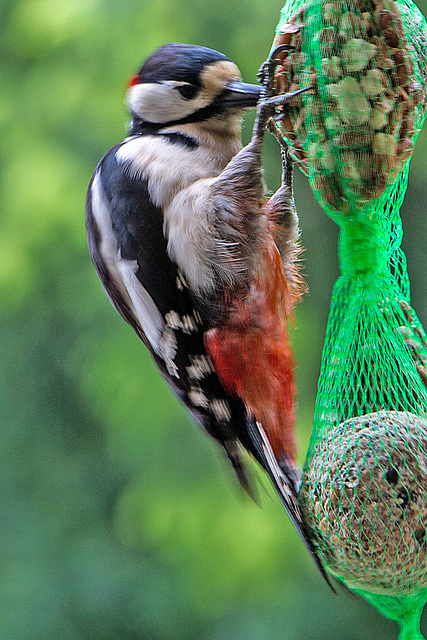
(364, 488)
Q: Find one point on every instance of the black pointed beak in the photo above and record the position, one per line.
(241, 95)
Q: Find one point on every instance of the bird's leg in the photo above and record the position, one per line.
(267, 111)
(284, 215)
(268, 68)
(282, 204)
(247, 164)
(267, 107)
(266, 119)
(239, 223)
(269, 103)
(287, 166)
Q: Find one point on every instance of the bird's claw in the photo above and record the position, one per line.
(267, 107)
(269, 103)
(268, 68)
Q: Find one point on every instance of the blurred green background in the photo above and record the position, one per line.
(119, 520)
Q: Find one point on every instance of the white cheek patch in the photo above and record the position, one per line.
(162, 102)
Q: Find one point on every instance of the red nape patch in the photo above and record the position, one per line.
(133, 81)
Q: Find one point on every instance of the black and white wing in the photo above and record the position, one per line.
(129, 250)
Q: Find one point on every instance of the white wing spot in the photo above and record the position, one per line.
(180, 281)
(200, 367)
(198, 398)
(221, 410)
(197, 317)
(173, 320)
(167, 350)
(123, 272)
(188, 324)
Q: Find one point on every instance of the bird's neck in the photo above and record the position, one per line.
(218, 144)
(138, 126)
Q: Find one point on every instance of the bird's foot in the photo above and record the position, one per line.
(268, 109)
(267, 70)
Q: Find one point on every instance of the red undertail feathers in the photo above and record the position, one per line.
(252, 357)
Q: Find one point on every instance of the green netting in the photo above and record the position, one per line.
(367, 60)
(363, 493)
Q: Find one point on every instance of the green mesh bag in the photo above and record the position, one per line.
(363, 494)
(366, 59)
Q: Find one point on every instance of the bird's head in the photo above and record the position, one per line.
(180, 84)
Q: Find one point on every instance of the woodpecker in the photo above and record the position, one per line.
(198, 262)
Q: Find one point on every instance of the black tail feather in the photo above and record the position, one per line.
(235, 454)
(285, 479)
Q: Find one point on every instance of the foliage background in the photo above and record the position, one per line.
(118, 519)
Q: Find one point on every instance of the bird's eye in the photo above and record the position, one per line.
(187, 91)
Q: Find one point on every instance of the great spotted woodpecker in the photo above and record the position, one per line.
(198, 262)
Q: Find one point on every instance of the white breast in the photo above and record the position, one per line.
(168, 167)
(179, 182)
